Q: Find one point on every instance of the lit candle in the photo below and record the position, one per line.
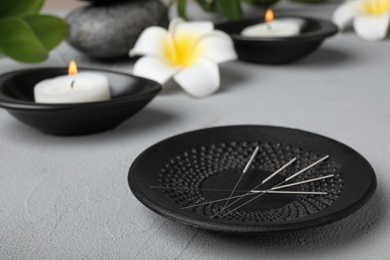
(272, 28)
(73, 88)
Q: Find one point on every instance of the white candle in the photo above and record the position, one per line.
(273, 28)
(79, 88)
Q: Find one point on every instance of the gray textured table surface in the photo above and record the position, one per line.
(68, 197)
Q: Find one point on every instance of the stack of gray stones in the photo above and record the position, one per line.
(108, 29)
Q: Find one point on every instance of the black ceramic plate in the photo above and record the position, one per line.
(129, 95)
(214, 159)
(278, 50)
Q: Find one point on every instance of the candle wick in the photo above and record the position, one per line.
(72, 84)
(269, 27)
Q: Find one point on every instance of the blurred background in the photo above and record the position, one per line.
(61, 4)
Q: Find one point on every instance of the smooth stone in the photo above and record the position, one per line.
(110, 31)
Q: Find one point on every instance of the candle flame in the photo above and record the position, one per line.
(72, 70)
(269, 15)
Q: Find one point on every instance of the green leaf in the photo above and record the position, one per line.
(181, 9)
(50, 30)
(231, 9)
(19, 42)
(19, 8)
(207, 6)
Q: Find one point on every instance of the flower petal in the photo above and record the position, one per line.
(344, 14)
(201, 79)
(153, 41)
(179, 28)
(154, 69)
(372, 27)
(216, 46)
(174, 22)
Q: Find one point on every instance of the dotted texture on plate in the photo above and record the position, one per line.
(192, 169)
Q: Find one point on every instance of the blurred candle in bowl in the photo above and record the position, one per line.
(272, 28)
(73, 88)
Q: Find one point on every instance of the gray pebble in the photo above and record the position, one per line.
(110, 31)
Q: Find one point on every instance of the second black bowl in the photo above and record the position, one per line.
(278, 50)
(129, 95)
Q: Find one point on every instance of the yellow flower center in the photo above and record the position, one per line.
(376, 7)
(182, 51)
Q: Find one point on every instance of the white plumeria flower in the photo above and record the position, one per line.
(188, 51)
(370, 18)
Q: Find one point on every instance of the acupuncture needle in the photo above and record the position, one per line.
(287, 179)
(264, 181)
(243, 173)
(255, 192)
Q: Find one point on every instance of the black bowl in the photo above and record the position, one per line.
(278, 50)
(129, 95)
